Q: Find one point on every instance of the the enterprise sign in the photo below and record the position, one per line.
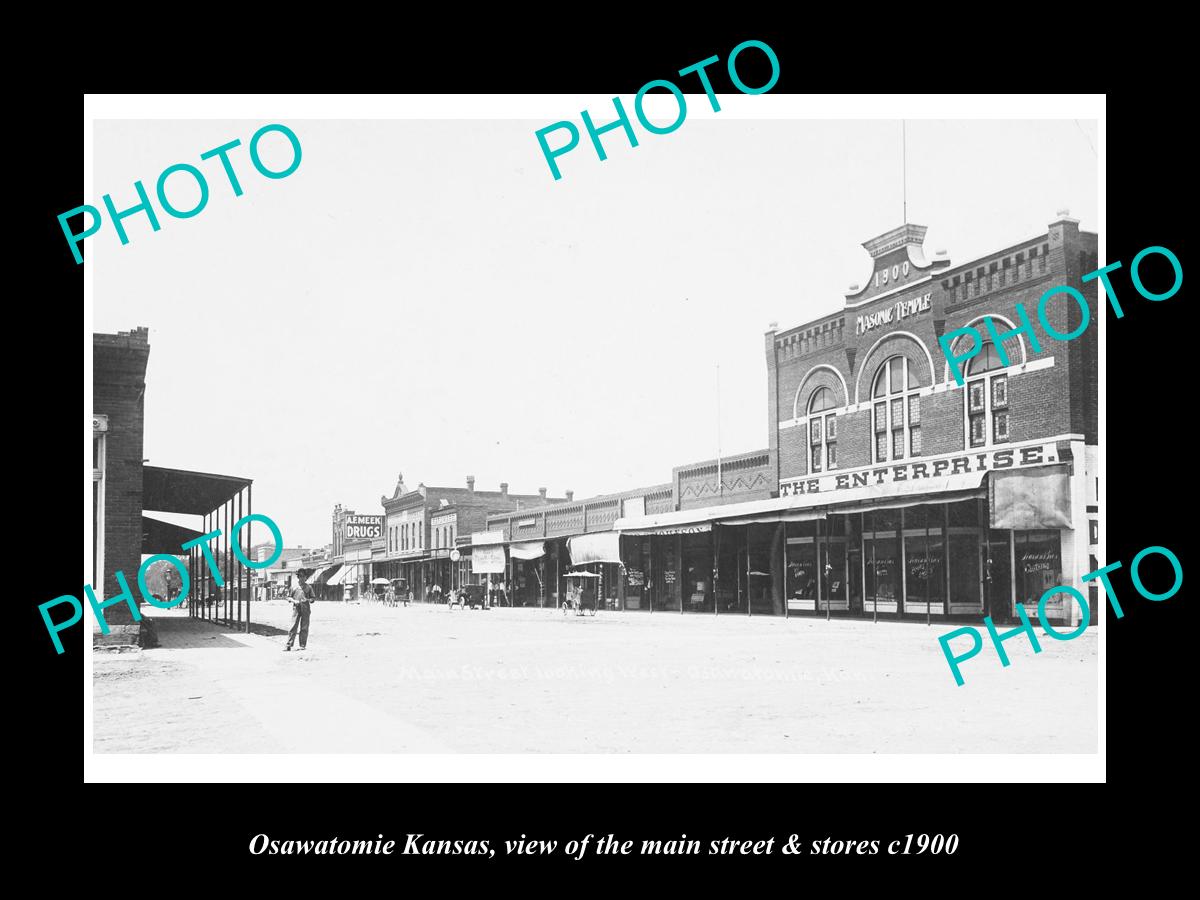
(933, 467)
(894, 313)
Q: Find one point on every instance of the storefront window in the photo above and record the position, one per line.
(997, 573)
(610, 586)
(832, 556)
(965, 559)
(667, 575)
(635, 551)
(881, 555)
(1038, 567)
(759, 581)
(697, 571)
(924, 557)
(800, 579)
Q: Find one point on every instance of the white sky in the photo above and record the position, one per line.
(422, 296)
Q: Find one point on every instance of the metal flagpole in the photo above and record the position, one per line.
(904, 168)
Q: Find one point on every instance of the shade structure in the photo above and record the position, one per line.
(807, 507)
(601, 547)
(528, 550)
(340, 577)
(323, 576)
(181, 491)
(165, 537)
(1030, 498)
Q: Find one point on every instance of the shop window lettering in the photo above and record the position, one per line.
(975, 340)
(1041, 561)
(144, 205)
(126, 596)
(622, 120)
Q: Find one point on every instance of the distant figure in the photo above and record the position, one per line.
(437, 593)
(302, 597)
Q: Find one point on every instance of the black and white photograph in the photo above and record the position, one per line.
(429, 437)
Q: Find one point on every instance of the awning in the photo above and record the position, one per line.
(785, 515)
(340, 577)
(601, 547)
(488, 560)
(323, 576)
(806, 507)
(1030, 498)
(897, 494)
(528, 550)
(487, 537)
(165, 537)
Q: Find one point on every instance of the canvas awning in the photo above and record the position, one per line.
(897, 494)
(1030, 498)
(601, 547)
(527, 550)
(340, 577)
(325, 574)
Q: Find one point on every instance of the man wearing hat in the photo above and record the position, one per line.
(301, 599)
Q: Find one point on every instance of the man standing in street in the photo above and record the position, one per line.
(301, 600)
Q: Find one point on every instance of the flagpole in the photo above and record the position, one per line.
(720, 481)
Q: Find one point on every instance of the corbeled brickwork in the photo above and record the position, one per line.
(905, 308)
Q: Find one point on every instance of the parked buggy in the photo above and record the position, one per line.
(582, 588)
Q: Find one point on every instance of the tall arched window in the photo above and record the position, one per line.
(987, 398)
(822, 430)
(896, 410)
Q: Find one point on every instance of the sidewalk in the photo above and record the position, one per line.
(278, 694)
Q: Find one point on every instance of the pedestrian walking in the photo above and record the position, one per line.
(301, 600)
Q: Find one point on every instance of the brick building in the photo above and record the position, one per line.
(655, 569)
(422, 527)
(895, 491)
(124, 488)
(118, 416)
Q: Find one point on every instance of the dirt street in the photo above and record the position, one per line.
(427, 679)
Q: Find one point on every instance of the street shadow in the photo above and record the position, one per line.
(266, 630)
(179, 633)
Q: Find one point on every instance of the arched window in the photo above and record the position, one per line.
(896, 410)
(822, 430)
(986, 398)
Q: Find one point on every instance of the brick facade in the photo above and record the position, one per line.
(118, 392)
(1057, 397)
